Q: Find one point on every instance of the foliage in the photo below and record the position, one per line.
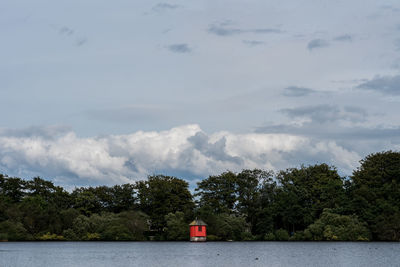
(306, 203)
(160, 195)
(281, 235)
(332, 226)
(177, 227)
(375, 194)
(305, 192)
(269, 237)
(227, 226)
(213, 238)
(51, 237)
(218, 192)
(12, 231)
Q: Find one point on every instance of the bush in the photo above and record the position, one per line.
(13, 231)
(213, 238)
(298, 236)
(117, 233)
(247, 236)
(281, 235)
(70, 235)
(269, 237)
(332, 226)
(92, 236)
(51, 237)
(227, 227)
(177, 228)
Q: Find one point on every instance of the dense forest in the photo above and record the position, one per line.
(306, 203)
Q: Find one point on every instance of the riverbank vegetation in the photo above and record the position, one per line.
(306, 203)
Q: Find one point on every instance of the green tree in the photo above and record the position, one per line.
(12, 189)
(249, 184)
(266, 214)
(332, 226)
(305, 192)
(35, 214)
(160, 195)
(177, 227)
(86, 201)
(13, 231)
(218, 192)
(374, 194)
(229, 227)
(123, 198)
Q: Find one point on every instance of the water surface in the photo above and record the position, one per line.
(199, 254)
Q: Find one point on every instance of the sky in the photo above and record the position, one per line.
(107, 92)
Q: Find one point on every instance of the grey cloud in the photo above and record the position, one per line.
(294, 91)
(48, 132)
(81, 41)
(66, 31)
(114, 159)
(130, 164)
(70, 34)
(200, 141)
(317, 43)
(339, 125)
(321, 113)
(182, 150)
(262, 31)
(164, 6)
(253, 42)
(334, 132)
(179, 48)
(327, 113)
(389, 85)
(344, 38)
(223, 30)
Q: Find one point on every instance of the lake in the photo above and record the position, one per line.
(199, 254)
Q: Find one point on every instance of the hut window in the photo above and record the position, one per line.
(200, 228)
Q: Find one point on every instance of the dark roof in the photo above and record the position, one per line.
(197, 222)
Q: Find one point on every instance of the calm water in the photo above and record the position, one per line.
(198, 254)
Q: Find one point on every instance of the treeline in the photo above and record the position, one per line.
(307, 203)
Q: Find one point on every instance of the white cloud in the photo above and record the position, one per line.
(185, 149)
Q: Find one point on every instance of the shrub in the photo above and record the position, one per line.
(13, 231)
(298, 236)
(213, 238)
(282, 235)
(51, 237)
(247, 236)
(269, 237)
(332, 226)
(92, 236)
(70, 235)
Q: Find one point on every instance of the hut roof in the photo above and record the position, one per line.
(197, 222)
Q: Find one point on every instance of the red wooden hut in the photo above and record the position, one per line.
(198, 231)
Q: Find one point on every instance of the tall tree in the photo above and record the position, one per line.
(218, 192)
(248, 191)
(305, 192)
(160, 195)
(12, 189)
(375, 194)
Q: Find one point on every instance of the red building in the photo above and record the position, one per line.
(198, 231)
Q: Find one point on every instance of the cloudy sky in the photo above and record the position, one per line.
(105, 92)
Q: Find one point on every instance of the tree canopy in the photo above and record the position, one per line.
(306, 203)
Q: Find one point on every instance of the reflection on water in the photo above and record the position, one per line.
(199, 254)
